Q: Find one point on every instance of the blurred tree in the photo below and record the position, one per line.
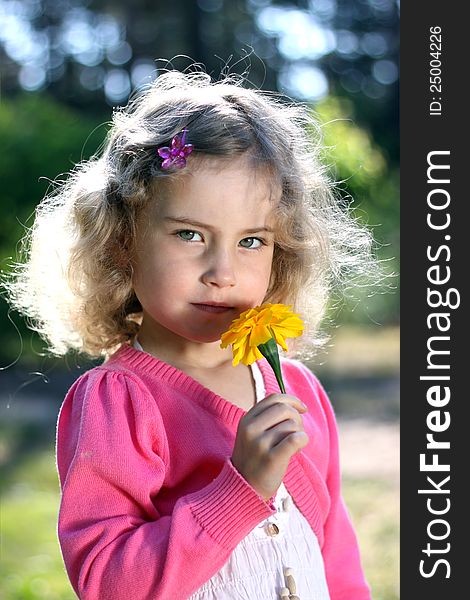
(353, 45)
(365, 64)
(369, 183)
(40, 140)
(85, 50)
(361, 167)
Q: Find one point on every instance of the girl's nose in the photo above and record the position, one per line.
(220, 271)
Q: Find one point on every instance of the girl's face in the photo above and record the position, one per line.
(204, 254)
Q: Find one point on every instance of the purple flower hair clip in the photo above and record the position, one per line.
(175, 155)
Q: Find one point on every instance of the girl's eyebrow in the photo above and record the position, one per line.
(192, 222)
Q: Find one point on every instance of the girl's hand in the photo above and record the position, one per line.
(267, 437)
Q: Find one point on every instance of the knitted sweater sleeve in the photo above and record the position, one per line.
(112, 456)
(340, 549)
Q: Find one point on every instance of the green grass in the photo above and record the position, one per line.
(31, 566)
(374, 508)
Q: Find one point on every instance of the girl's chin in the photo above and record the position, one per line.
(204, 339)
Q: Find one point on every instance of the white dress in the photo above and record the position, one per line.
(256, 568)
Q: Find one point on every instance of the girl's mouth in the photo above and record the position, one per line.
(213, 308)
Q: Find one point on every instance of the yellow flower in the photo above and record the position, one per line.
(257, 326)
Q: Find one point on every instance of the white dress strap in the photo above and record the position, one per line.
(260, 389)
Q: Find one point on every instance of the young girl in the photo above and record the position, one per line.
(183, 476)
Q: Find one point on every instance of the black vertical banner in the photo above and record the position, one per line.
(435, 202)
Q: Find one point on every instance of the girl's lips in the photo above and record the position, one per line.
(213, 308)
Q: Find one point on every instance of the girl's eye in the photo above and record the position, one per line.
(189, 236)
(251, 243)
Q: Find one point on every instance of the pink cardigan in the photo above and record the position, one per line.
(151, 505)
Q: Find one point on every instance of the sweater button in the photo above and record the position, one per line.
(272, 529)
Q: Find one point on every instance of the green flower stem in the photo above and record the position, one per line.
(271, 354)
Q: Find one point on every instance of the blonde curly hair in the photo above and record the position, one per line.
(75, 282)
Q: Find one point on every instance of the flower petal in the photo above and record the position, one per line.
(164, 152)
(257, 326)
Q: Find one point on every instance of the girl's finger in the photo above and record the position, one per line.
(272, 416)
(264, 404)
(276, 434)
(289, 445)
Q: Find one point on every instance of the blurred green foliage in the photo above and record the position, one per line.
(368, 180)
(41, 140)
(362, 166)
(31, 565)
